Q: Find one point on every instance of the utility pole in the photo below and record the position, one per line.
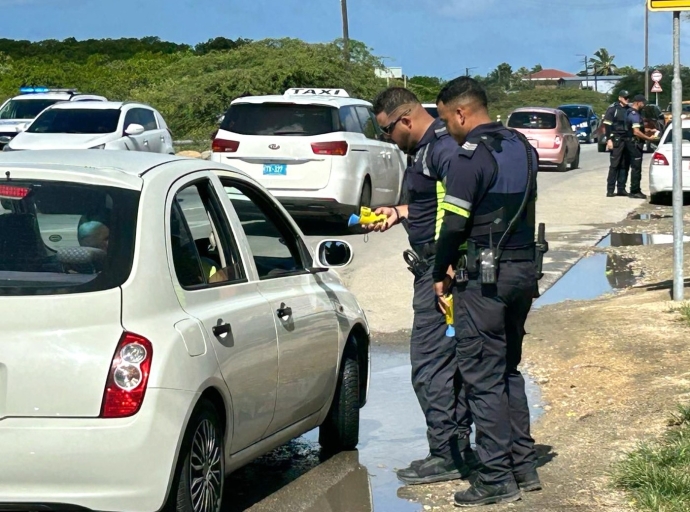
(586, 70)
(346, 31)
(467, 71)
(646, 51)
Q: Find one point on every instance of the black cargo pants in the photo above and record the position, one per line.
(435, 377)
(489, 329)
(634, 150)
(619, 163)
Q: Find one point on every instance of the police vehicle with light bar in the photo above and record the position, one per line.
(320, 152)
(18, 112)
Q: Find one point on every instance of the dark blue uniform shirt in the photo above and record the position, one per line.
(424, 183)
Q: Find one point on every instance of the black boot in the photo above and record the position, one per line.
(480, 494)
(528, 481)
(432, 469)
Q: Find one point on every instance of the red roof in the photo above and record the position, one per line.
(550, 74)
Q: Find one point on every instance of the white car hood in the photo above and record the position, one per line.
(59, 140)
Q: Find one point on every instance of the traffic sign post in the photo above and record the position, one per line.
(677, 99)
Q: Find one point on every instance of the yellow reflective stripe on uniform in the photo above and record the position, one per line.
(440, 194)
(636, 125)
(608, 122)
(455, 209)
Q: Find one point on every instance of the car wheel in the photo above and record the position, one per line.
(590, 138)
(576, 162)
(563, 166)
(365, 196)
(200, 472)
(340, 429)
(661, 198)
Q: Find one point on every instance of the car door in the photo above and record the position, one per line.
(363, 159)
(154, 137)
(218, 289)
(303, 311)
(133, 142)
(389, 173)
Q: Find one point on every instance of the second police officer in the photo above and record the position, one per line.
(635, 144)
(490, 204)
(616, 126)
(432, 354)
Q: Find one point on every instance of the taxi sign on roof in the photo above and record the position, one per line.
(338, 93)
(668, 5)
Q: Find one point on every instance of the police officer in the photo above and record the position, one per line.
(434, 368)
(616, 126)
(634, 142)
(490, 203)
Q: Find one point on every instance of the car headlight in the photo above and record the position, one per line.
(100, 146)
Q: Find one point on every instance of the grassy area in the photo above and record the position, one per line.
(657, 475)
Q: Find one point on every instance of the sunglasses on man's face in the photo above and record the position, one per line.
(389, 129)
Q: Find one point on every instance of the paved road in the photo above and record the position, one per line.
(573, 205)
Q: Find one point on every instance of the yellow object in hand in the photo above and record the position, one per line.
(450, 331)
(366, 216)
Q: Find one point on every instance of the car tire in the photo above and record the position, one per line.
(340, 429)
(576, 162)
(205, 430)
(365, 195)
(563, 166)
(661, 198)
(590, 138)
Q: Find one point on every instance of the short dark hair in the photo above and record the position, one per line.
(463, 88)
(392, 98)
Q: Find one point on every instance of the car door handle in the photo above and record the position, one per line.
(221, 329)
(284, 311)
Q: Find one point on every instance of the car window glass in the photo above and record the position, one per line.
(131, 117)
(147, 119)
(271, 241)
(532, 120)
(349, 120)
(367, 122)
(203, 249)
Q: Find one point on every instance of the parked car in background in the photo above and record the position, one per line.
(18, 112)
(163, 325)
(432, 109)
(584, 121)
(661, 165)
(685, 109)
(319, 151)
(550, 132)
(97, 125)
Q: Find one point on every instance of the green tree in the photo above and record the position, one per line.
(602, 62)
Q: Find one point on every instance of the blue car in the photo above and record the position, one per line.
(584, 121)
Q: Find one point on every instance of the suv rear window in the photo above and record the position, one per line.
(24, 109)
(281, 119)
(76, 120)
(58, 238)
(575, 112)
(532, 120)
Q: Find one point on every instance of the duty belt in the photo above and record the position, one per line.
(424, 251)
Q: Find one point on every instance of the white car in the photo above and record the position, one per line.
(432, 109)
(163, 324)
(660, 167)
(317, 150)
(19, 111)
(97, 125)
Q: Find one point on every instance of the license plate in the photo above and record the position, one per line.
(534, 143)
(275, 169)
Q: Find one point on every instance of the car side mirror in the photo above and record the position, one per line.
(134, 129)
(333, 253)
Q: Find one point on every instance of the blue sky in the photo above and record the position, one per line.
(424, 37)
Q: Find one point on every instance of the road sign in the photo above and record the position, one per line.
(656, 75)
(668, 5)
(656, 87)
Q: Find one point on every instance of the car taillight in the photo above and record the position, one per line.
(225, 146)
(557, 141)
(128, 377)
(338, 148)
(13, 192)
(659, 159)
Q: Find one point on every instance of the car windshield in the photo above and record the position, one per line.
(575, 112)
(433, 111)
(684, 108)
(76, 120)
(24, 109)
(58, 238)
(532, 120)
(669, 136)
(281, 119)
